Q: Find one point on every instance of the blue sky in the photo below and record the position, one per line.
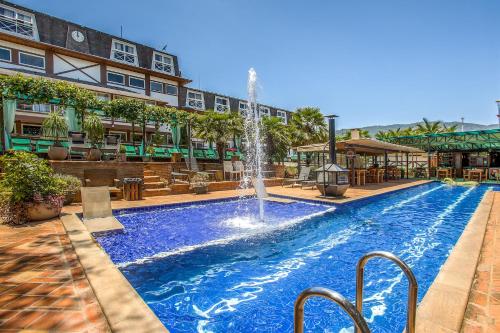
(371, 62)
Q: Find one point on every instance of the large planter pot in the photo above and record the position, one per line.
(43, 211)
(200, 189)
(332, 190)
(94, 154)
(57, 153)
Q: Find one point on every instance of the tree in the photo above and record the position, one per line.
(308, 126)
(218, 128)
(429, 127)
(131, 109)
(277, 138)
(347, 135)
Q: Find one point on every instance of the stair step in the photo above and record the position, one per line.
(149, 173)
(151, 179)
(152, 185)
(156, 192)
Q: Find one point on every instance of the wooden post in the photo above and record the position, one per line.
(407, 169)
(298, 162)
(386, 178)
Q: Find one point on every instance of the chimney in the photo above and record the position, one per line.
(331, 138)
(355, 134)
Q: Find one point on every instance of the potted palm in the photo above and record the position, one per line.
(54, 126)
(95, 132)
(150, 151)
(199, 183)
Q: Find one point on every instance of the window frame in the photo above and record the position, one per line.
(241, 110)
(282, 117)
(32, 125)
(202, 99)
(267, 114)
(30, 55)
(130, 77)
(162, 90)
(10, 54)
(17, 22)
(226, 107)
(162, 63)
(123, 61)
(115, 73)
(113, 132)
(171, 85)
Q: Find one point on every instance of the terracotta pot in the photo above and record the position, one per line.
(57, 153)
(43, 211)
(94, 154)
(200, 189)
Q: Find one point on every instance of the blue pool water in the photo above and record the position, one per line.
(248, 283)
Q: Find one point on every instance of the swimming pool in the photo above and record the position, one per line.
(249, 282)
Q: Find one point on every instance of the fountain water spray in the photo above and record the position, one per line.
(254, 152)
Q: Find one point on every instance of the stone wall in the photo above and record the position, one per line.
(77, 168)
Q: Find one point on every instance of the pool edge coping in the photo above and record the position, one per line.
(443, 307)
(124, 309)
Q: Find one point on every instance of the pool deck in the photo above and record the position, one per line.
(60, 254)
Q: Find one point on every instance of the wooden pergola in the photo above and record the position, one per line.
(364, 146)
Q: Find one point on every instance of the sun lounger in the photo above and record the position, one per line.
(211, 154)
(303, 176)
(21, 144)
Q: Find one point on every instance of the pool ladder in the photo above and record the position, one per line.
(355, 312)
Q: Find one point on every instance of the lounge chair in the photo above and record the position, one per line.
(185, 153)
(42, 146)
(161, 153)
(303, 176)
(173, 150)
(198, 154)
(211, 154)
(131, 151)
(229, 155)
(111, 146)
(229, 169)
(21, 144)
(78, 148)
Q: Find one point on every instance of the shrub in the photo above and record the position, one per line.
(200, 179)
(54, 126)
(27, 179)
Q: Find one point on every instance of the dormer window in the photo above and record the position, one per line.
(221, 104)
(264, 111)
(124, 52)
(282, 116)
(163, 63)
(195, 100)
(243, 107)
(17, 22)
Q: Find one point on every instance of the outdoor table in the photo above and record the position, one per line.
(132, 189)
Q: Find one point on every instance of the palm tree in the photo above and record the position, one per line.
(450, 129)
(277, 138)
(218, 128)
(308, 126)
(429, 127)
(347, 135)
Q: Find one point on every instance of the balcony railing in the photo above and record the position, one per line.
(16, 26)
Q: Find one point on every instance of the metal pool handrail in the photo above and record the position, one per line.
(412, 285)
(298, 311)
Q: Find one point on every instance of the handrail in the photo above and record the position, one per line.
(298, 311)
(412, 285)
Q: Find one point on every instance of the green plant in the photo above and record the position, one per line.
(71, 183)
(55, 126)
(277, 137)
(308, 126)
(200, 179)
(94, 128)
(150, 150)
(123, 149)
(27, 180)
(218, 128)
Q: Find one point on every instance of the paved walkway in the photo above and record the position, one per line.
(483, 310)
(42, 284)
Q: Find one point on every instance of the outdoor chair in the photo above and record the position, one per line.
(21, 144)
(185, 153)
(229, 169)
(239, 167)
(198, 154)
(173, 150)
(111, 146)
(78, 147)
(229, 155)
(161, 153)
(131, 151)
(303, 176)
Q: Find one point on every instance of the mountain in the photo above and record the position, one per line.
(467, 127)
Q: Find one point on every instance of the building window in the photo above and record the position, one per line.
(31, 130)
(195, 100)
(5, 54)
(31, 60)
(157, 86)
(136, 82)
(103, 97)
(264, 111)
(221, 104)
(124, 52)
(16, 22)
(116, 78)
(123, 135)
(163, 63)
(281, 115)
(171, 89)
(22, 106)
(243, 107)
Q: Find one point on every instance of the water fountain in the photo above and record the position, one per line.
(254, 153)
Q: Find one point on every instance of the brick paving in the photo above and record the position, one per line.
(43, 287)
(483, 309)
